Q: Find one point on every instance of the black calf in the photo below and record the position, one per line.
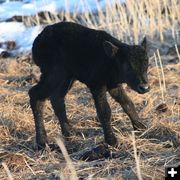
(66, 52)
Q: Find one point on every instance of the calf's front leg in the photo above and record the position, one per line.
(104, 114)
(121, 97)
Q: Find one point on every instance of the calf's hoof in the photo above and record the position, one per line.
(41, 143)
(68, 131)
(112, 141)
(40, 146)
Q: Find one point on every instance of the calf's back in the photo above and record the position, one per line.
(76, 49)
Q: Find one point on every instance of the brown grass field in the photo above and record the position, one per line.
(139, 156)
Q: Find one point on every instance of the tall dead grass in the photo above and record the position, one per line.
(129, 22)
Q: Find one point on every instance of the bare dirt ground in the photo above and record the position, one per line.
(157, 147)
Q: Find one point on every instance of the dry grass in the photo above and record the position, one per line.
(127, 22)
(142, 155)
(156, 147)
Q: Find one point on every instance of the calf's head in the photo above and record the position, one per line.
(132, 61)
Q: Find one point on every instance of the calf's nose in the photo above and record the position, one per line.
(143, 88)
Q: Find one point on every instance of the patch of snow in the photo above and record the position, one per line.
(17, 32)
(9, 9)
(23, 36)
(1, 50)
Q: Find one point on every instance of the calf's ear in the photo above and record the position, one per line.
(110, 49)
(144, 43)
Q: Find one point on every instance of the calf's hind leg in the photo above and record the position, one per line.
(37, 99)
(121, 97)
(57, 101)
(38, 95)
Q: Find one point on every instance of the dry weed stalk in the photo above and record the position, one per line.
(137, 160)
(159, 77)
(177, 51)
(10, 177)
(162, 71)
(73, 175)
